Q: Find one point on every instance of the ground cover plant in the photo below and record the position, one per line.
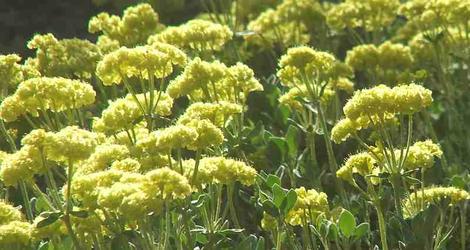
(262, 124)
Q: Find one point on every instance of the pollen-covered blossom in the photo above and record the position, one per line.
(71, 58)
(293, 97)
(175, 136)
(102, 158)
(382, 100)
(306, 66)
(166, 184)
(44, 93)
(421, 155)
(223, 171)
(198, 35)
(368, 14)
(361, 163)
(15, 233)
(436, 13)
(388, 62)
(197, 75)
(207, 134)
(12, 73)
(136, 25)
(346, 127)
(309, 203)
(217, 113)
(413, 204)
(21, 165)
(289, 24)
(141, 62)
(71, 143)
(8, 213)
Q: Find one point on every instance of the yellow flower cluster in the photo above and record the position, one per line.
(310, 203)
(14, 231)
(21, 165)
(124, 113)
(288, 24)
(136, 25)
(304, 65)
(421, 155)
(130, 194)
(217, 113)
(72, 58)
(380, 101)
(102, 157)
(44, 93)
(71, 144)
(435, 13)
(360, 163)
(221, 170)
(141, 62)
(198, 35)
(413, 204)
(368, 14)
(13, 73)
(214, 81)
(388, 62)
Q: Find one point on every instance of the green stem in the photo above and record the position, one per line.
(382, 227)
(68, 206)
(27, 204)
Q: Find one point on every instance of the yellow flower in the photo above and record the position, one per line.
(309, 203)
(71, 143)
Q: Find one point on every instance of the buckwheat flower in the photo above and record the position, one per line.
(71, 143)
(378, 100)
(216, 113)
(268, 222)
(8, 213)
(36, 138)
(47, 93)
(136, 25)
(346, 127)
(12, 73)
(127, 165)
(413, 204)
(15, 234)
(370, 14)
(361, 163)
(342, 83)
(128, 199)
(177, 56)
(309, 203)
(239, 82)
(66, 58)
(142, 62)
(121, 114)
(102, 158)
(198, 35)
(166, 184)
(291, 98)
(412, 98)
(107, 45)
(87, 187)
(207, 134)
(11, 108)
(225, 171)
(300, 63)
(21, 165)
(173, 137)
(198, 75)
(421, 155)
(301, 10)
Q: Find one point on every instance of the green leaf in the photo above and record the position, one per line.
(361, 230)
(289, 202)
(271, 180)
(278, 195)
(270, 208)
(261, 244)
(347, 223)
(79, 213)
(292, 141)
(49, 218)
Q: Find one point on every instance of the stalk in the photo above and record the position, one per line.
(68, 207)
(382, 227)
